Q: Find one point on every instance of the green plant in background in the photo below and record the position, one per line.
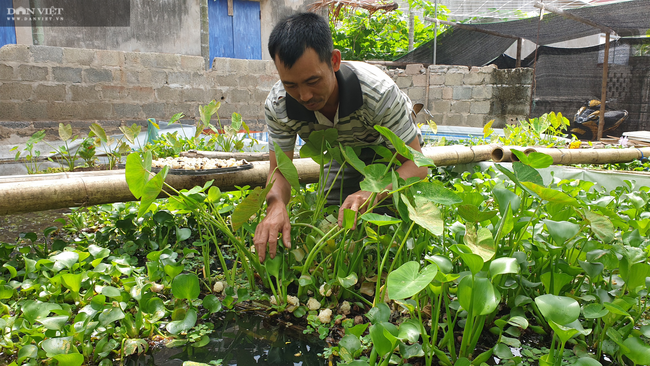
(87, 152)
(547, 130)
(65, 152)
(31, 156)
(114, 148)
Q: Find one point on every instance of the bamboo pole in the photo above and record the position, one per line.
(25, 194)
(592, 156)
(503, 154)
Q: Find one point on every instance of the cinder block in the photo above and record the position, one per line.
(113, 92)
(223, 80)
(473, 78)
(480, 107)
(160, 60)
(15, 53)
(100, 111)
(194, 95)
(404, 81)
(460, 107)
(47, 54)
(238, 66)
(413, 69)
(240, 96)
(440, 106)
(454, 120)
(447, 93)
(65, 111)
(420, 80)
(476, 120)
(108, 58)
(246, 81)
(66, 74)
(83, 93)
(6, 72)
(438, 69)
(220, 65)
(257, 67)
(154, 110)
(32, 73)
(9, 112)
(15, 91)
(435, 92)
(199, 79)
(123, 110)
(259, 97)
(458, 69)
(153, 78)
(189, 110)
(168, 93)
(190, 63)
(79, 56)
(179, 77)
(267, 81)
(50, 93)
(462, 93)
(94, 76)
(140, 94)
(36, 111)
(453, 79)
(416, 95)
(132, 60)
(482, 92)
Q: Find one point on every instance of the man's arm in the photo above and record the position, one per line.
(277, 218)
(357, 201)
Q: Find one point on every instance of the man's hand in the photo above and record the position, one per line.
(357, 202)
(276, 222)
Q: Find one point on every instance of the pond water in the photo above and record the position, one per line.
(243, 339)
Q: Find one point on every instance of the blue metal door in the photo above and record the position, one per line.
(236, 36)
(7, 27)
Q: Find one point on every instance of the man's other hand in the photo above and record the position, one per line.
(276, 222)
(356, 202)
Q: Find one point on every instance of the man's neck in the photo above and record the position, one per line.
(332, 105)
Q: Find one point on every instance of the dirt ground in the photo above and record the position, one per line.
(12, 225)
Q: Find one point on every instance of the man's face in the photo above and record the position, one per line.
(311, 81)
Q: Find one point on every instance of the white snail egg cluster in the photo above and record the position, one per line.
(185, 163)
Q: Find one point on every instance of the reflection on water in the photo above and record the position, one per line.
(243, 339)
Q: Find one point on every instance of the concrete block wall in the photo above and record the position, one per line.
(462, 96)
(41, 86)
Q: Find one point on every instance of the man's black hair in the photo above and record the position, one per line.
(294, 34)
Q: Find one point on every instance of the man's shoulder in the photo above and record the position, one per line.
(277, 96)
(371, 78)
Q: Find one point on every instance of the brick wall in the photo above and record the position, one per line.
(41, 86)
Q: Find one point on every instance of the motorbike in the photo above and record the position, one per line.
(585, 123)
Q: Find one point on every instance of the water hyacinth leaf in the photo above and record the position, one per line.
(616, 309)
(463, 361)
(559, 281)
(379, 220)
(637, 276)
(397, 143)
(601, 226)
(152, 189)
(110, 291)
(593, 269)
(525, 173)
(249, 206)
(183, 234)
(6, 292)
(503, 265)
(425, 213)
(587, 361)
(54, 322)
(376, 178)
(480, 242)
(561, 231)
(408, 280)
(35, 310)
(305, 280)
(286, 167)
(479, 293)
(472, 213)
(135, 346)
(110, 315)
(71, 359)
(563, 332)
(274, 265)
(357, 330)
(177, 326)
(351, 343)
(594, 311)
(27, 351)
(65, 259)
(559, 309)
(436, 192)
(98, 252)
(518, 321)
(645, 330)
(186, 286)
(137, 172)
(409, 331)
(505, 197)
(551, 195)
(348, 281)
(379, 313)
(58, 346)
(444, 264)
(473, 261)
(12, 271)
(503, 352)
(383, 337)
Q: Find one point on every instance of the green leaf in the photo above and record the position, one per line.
(503, 265)
(539, 160)
(435, 192)
(66, 259)
(425, 213)
(98, 130)
(379, 220)
(587, 361)
(98, 252)
(58, 346)
(348, 281)
(551, 195)
(214, 194)
(249, 206)
(473, 261)
(349, 218)
(28, 351)
(637, 276)
(408, 280)
(379, 313)
(376, 178)
(472, 213)
(110, 315)
(480, 242)
(6, 292)
(320, 145)
(383, 337)
(35, 310)
(135, 346)
(559, 281)
(72, 281)
(559, 309)
(420, 159)
(136, 172)
(504, 198)
(212, 304)
(183, 234)
(186, 286)
(351, 343)
(286, 167)
(561, 231)
(71, 359)
(592, 269)
(173, 270)
(152, 190)
(274, 265)
(594, 311)
(409, 331)
(477, 296)
(525, 173)
(54, 322)
(65, 132)
(352, 159)
(110, 291)
(397, 143)
(601, 226)
(187, 323)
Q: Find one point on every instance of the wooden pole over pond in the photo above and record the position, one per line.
(30, 193)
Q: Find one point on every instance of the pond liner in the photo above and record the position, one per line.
(30, 193)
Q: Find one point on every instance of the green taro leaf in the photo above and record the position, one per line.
(152, 190)
(601, 226)
(397, 143)
(561, 231)
(425, 213)
(187, 323)
(472, 213)
(65, 132)
(186, 286)
(136, 172)
(480, 242)
(539, 160)
(408, 280)
(551, 195)
(559, 309)
(436, 192)
(98, 130)
(506, 197)
(376, 178)
(379, 220)
(383, 337)
(420, 159)
(316, 147)
(59, 346)
(349, 218)
(353, 159)
(525, 173)
(286, 167)
(249, 206)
